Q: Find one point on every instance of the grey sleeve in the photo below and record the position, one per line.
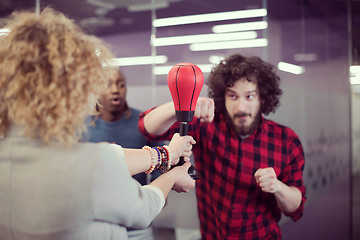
(117, 197)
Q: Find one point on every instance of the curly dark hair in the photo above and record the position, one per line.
(254, 69)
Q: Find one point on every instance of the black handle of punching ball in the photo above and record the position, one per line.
(194, 174)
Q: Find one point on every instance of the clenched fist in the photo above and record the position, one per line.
(267, 180)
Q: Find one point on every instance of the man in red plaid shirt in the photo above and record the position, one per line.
(251, 167)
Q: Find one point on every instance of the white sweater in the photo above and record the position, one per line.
(85, 192)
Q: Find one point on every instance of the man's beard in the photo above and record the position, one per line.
(244, 131)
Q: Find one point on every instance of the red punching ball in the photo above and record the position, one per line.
(185, 81)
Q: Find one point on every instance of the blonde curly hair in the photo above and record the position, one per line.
(51, 73)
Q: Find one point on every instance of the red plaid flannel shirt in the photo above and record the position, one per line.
(230, 204)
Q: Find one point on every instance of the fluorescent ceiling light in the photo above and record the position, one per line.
(143, 60)
(164, 70)
(147, 6)
(234, 27)
(102, 4)
(216, 59)
(209, 17)
(291, 68)
(261, 42)
(4, 31)
(355, 69)
(355, 74)
(355, 80)
(178, 40)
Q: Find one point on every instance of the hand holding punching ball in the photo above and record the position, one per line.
(185, 81)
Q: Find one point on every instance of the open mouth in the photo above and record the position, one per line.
(115, 101)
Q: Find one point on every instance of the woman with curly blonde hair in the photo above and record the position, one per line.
(51, 185)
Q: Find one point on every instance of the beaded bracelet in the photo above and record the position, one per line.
(163, 160)
(168, 151)
(154, 161)
(159, 157)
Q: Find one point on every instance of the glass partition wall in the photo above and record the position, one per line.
(310, 46)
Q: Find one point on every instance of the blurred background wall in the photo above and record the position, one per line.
(316, 103)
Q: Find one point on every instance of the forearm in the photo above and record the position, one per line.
(137, 160)
(160, 119)
(164, 182)
(288, 198)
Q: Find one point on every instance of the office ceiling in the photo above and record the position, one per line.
(106, 17)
